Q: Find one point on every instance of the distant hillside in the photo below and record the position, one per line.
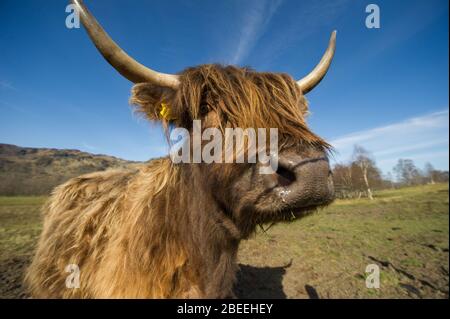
(36, 171)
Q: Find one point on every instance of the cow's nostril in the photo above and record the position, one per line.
(285, 176)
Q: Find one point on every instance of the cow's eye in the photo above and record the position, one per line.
(204, 109)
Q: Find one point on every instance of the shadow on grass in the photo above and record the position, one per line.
(260, 282)
(265, 283)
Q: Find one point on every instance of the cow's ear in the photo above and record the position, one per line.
(151, 100)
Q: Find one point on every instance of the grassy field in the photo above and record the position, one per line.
(405, 232)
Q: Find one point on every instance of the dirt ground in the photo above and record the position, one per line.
(404, 232)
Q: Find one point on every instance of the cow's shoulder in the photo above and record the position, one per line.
(90, 188)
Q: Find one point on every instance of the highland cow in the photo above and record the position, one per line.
(166, 230)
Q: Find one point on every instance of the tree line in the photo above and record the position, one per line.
(360, 176)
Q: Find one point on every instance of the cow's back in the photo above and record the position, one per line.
(81, 220)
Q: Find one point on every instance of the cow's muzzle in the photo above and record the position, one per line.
(302, 182)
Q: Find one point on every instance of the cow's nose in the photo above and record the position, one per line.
(302, 181)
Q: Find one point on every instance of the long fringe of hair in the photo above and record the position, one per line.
(241, 97)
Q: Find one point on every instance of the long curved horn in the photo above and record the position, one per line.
(312, 79)
(122, 62)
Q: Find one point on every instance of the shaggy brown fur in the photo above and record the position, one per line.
(240, 97)
(160, 231)
(133, 234)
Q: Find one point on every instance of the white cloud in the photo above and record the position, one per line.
(255, 23)
(7, 85)
(424, 138)
(425, 157)
(89, 147)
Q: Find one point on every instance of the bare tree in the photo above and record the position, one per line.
(388, 180)
(440, 176)
(407, 172)
(342, 177)
(429, 172)
(363, 159)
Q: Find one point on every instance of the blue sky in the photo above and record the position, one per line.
(387, 89)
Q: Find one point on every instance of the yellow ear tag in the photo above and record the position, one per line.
(165, 112)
